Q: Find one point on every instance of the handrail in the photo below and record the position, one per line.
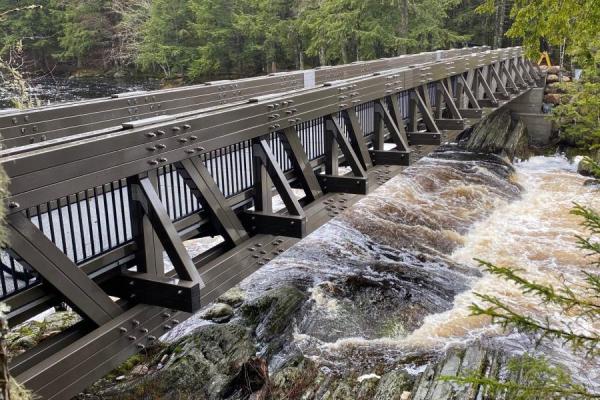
(46, 123)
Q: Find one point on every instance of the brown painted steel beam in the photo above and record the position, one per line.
(357, 137)
(304, 170)
(149, 249)
(344, 184)
(333, 126)
(393, 121)
(145, 194)
(154, 290)
(449, 100)
(500, 87)
(470, 95)
(264, 154)
(275, 224)
(487, 89)
(390, 157)
(59, 271)
(203, 186)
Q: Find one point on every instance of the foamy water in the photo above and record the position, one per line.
(535, 234)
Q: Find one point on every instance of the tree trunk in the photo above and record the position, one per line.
(344, 54)
(403, 27)
(322, 59)
(499, 26)
(300, 58)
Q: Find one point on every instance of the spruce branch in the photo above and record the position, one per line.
(537, 379)
(563, 297)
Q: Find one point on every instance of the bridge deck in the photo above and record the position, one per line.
(100, 189)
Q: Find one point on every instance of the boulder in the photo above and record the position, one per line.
(59, 321)
(218, 312)
(273, 311)
(120, 74)
(551, 78)
(24, 342)
(207, 364)
(233, 297)
(555, 70)
(498, 134)
(552, 98)
(271, 316)
(139, 370)
(565, 79)
(585, 168)
(517, 143)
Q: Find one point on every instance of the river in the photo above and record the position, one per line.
(48, 89)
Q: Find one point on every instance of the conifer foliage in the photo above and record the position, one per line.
(203, 39)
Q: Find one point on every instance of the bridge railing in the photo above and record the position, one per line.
(90, 213)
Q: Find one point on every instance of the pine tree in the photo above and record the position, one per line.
(166, 37)
(86, 28)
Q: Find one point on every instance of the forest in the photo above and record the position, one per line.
(208, 39)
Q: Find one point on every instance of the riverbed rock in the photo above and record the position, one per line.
(585, 168)
(204, 365)
(30, 333)
(498, 133)
(233, 297)
(218, 312)
(457, 362)
(554, 88)
(139, 370)
(273, 311)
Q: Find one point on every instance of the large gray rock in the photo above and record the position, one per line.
(204, 365)
(585, 168)
(234, 297)
(218, 312)
(273, 311)
(498, 133)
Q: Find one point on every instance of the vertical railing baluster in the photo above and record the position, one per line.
(90, 224)
(72, 230)
(114, 210)
(62, 227)
(98, 221)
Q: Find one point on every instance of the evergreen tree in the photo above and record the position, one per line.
(28, 37)
(86, 28)
(166, 37)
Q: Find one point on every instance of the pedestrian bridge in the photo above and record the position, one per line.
(100, 190)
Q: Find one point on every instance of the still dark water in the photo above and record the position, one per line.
(54, 90)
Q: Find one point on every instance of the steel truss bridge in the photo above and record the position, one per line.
(100, 189)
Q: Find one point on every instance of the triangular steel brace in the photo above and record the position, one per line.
(145, 194)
